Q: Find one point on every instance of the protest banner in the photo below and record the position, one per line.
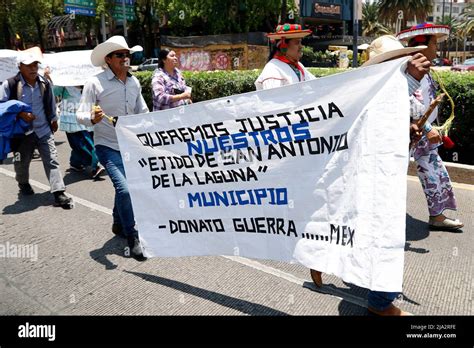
(313, 173)
(8, 64)
(71, 68)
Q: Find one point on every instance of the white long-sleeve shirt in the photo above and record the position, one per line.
(116, 99)
(277, 73)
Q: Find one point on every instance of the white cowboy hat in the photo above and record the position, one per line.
(115, 43)
(387, 47)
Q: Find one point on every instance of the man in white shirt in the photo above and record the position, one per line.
(114, 92)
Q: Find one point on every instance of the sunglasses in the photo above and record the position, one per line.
(121, 55)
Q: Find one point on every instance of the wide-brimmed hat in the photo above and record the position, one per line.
(29, 56)
(115, 43)
(440, 31)
(288, 31)
(387, 47)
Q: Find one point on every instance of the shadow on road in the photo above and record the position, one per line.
(416, 229)
(72, 177)
(29, 203)
(114, 246)
(243, 306)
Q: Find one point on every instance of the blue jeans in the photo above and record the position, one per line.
(380, 300)
(123, 212)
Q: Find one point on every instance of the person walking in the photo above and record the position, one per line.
(30, 87)
(106, 96)
(380, 50)
(168, 85)
(284, 68)
(431, 170)
(79, 137)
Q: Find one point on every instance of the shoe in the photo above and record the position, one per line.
(447, 224)
(35, 155)
(97, 172)
(26, 189)
(136, 248)
(317, 277)
(390, 311)
(76, 168)
(63, 201)
(118, 230)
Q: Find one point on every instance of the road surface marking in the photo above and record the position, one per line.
(243, 261)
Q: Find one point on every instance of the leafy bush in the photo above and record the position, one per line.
(461, 88)
(215, 84)
(208, 85)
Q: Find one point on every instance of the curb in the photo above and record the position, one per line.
(460, 173)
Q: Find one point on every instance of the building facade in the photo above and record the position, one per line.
(331, 21)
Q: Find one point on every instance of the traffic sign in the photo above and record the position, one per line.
(128, 10)
(81, 11)
(127, 2)
(81, 3)
(119, 16)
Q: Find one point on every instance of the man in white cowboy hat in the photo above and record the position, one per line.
(284, 67)
(33, 89)
(430, 167)
(106, 96)
(383, 49)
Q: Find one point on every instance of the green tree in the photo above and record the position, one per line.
(412, 10)
(30, 19)
(465, 22)
(207, 17)
(371, 26)
(6, 9)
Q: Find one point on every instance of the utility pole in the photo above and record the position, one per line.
(104, 34)
(450, 21)
(355, 30)
(442, 21)
(125, 34)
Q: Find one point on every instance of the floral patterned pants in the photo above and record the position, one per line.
(434, 178)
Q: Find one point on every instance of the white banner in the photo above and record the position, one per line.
(313, 172)
(71, 68)
(8, 65)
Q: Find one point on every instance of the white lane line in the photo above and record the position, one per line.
(76, 199)
(328, 290)
(243, 261)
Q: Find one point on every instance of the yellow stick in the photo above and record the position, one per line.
(98, 108)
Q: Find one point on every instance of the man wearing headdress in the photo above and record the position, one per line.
(431, 171)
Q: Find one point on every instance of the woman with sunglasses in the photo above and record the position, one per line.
(168, 85)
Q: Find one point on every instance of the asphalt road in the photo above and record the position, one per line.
(80, 268)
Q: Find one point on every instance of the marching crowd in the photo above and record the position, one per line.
(88, 113)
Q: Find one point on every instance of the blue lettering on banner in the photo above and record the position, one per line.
(272, 196)
(298, 132)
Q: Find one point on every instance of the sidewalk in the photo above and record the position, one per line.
(460, 173)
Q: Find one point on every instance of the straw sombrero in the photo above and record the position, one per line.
(115, 43)
(288, 31)
(387, 47)
(440, 31)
